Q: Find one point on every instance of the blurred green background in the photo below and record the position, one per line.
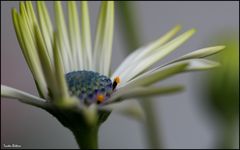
(221, 90)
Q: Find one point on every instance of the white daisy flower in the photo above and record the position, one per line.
(73, 76)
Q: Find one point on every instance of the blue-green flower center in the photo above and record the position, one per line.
(90, 87)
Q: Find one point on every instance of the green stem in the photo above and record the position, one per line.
(226, 139)
(86, 139)
(151, 125)
(131, 36)
(128, 26)
(85, 134)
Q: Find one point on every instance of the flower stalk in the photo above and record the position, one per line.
(87, 138)
(132, 41)
(83, 124)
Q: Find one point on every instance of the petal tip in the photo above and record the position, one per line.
(193, 30)
(221, 47)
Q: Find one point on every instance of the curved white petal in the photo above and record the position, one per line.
(138, 67)
(200, 53)
(59, 73)
(75, 37)
(201, 64)
(28, 49)
(104, 38)
(160, 73)
(46, 27)
(22, 96)
(126, 93)
(86, 35)
(47, 66)
(142, 52)
(66, 52)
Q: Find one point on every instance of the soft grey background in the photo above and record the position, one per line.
(182, 120)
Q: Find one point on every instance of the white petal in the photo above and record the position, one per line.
(126, 63)
(32, 21)
(22, 96)
(98, 37)
(126, 93)
(75, 37)
(86, 35)
(156, 75)
(28, 47)
(46, 27)
(65, 47)
(138, 67)
(104, 38)
(160, 73)
(64, 55)
(142, 52)
(200, 53)
(130, 108)
(60, 78)
(201, 64)
(30, 12)
(48, 68)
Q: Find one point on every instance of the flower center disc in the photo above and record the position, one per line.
(88, 86)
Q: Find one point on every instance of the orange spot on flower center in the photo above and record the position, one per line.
(100, 98)
(117, 80)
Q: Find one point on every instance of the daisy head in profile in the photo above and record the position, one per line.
(72, 74)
